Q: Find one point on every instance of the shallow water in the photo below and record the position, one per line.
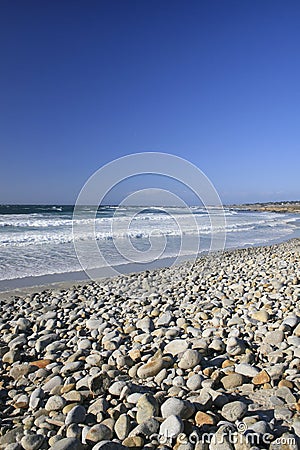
(38, 240)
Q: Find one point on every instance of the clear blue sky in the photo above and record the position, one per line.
(84, 82)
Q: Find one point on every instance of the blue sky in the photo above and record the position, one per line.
(215, 82)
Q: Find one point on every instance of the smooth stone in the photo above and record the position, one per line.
(261, 378)
(55, 403)
(234, 411)
(122, 426)
(116, 388)
(176, 346)
(134, 442)
(147, 407)
(232, 381)
(261, 316)
(12, 436)
(189, 359)
(134, 397)
(22, 402)
(194, 382)
(235, 346)
(177, 407)
(164, 319)
(246, 369)
(145, 324)
(171, 427)
(151, 368)
(93, 324)
(100, 405)
(32, 441)
(20, 370)
(67, 444)
(274, 337)
(35, 398)
(53, 382)
(99, 433)
(151, 426)
(76, 415)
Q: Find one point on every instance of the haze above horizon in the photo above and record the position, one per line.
(216, 83)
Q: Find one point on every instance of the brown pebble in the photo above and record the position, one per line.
(41, 363)
(133, 442)
(227, 363)
(203, 418)
(286, 383)
(261, 378)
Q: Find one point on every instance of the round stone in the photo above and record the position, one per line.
(234, 411)
(55, 403)
(189, 359)
(171, 427)
(32, 441)
(177, 407)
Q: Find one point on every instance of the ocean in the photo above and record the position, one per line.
(37, 240)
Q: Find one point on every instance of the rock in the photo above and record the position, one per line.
(194, 382)
(203, 418)
(189, 359)
(35, 398)
(151, 426)
(235, 346)
(41, 363)
(11, 436)
(221, 441)
(67, 444)
(177, 407)
(232, 381)
(22, 402)
(246, 369)
(55, 403)
(176, 346)
(32, 441)
(234, 411)
(164, 320)
(151, 368)
(122, 426)
(147, 407)
(10, 357)
(99, 433)
(171, 427)
(145, 324)
(274, 337)
(76, 415)
(109, 445)
(53, 382)
(100, 405)
(261, 378)
(133, 442)
(93, 324)
(43, 341)
(262, 316)
(116, 388)
(19, 370)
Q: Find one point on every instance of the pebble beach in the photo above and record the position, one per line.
(204, 356)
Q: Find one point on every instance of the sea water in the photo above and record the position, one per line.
(38, 240)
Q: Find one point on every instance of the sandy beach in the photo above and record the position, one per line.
(202, 355)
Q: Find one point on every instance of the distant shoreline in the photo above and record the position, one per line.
(278, 207)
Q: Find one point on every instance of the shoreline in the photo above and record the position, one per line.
(284, 207)
(131, 361)
(67, 280)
